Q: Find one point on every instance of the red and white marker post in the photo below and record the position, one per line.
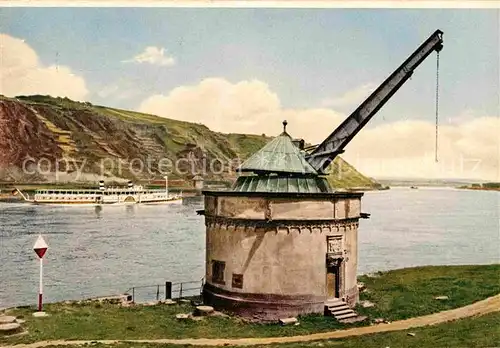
(40, 248)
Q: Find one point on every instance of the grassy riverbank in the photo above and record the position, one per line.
(397, 295)
(473, 332)
(410, 292)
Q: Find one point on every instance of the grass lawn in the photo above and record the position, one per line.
(409, 292)
(477, 332)
(107, 321)
(397, 294)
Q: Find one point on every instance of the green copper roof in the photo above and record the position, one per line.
(280, 155)
(283, 184)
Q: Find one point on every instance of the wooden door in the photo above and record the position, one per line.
(332, 281)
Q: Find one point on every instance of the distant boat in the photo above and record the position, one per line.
(131, 194)
(414, 187)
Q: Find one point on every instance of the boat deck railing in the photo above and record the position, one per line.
(92, 192)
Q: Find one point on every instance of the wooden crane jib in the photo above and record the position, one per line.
(335, 143)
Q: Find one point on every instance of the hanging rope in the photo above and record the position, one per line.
(437, 104)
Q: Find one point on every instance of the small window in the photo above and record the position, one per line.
(218, 268)
(237, 281)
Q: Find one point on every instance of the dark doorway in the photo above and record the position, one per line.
(333, 281)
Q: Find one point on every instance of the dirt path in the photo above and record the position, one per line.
(489, 305)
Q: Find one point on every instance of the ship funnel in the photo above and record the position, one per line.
(130, 184)
(101, 185)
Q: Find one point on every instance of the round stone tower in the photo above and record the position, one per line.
(280, 243)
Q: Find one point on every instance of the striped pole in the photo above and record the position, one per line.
(40, 249)
(40, 291)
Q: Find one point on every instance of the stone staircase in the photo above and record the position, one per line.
(341, 311)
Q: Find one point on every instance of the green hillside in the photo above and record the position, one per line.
(90, 134)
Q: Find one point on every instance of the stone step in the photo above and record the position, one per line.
(333, 300)
(203, 310)
(335, 304)
(338, 308)
(7, 319)
(346, 316)
(345, 311)
(353, 319)
(10, 328)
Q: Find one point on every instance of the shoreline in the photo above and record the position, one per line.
(372, 274)
(497, 189)
(399, 300)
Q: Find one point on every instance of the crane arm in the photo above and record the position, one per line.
(335, 143)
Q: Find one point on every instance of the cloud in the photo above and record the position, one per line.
(247, 106)
(468, 148)
(153, 55)
(108, 91)
(118, 91)
(21, 73)
(350, 98)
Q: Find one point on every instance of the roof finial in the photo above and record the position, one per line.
(284, 125)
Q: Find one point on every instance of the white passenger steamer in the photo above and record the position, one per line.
(131, 194)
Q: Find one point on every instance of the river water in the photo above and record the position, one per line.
(95, 252)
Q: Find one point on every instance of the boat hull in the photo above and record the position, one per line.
(170, 201)
(103, 196)
(83, 203)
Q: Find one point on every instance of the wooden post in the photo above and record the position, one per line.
(133, 295)
(168, 290)
(180, 292)
(157, 292)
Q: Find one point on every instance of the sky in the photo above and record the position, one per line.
(246, 69)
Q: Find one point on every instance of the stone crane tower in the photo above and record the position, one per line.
(280, 242)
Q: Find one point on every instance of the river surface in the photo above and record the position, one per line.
(96, 252)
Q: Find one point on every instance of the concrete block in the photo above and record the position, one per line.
(40, 314)
(150, 304)
(367, 304)
(219, 314)
(288, 321)
(7, 319)
(182, 316)
(441, 298)
(10, 328)
(203, 310)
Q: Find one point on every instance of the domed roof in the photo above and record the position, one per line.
(280, 155)
(282, 184)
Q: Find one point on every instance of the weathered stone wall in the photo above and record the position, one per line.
(259, 208)
(351, 264)
(281, 266)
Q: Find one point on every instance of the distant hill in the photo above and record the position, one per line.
(115, 142)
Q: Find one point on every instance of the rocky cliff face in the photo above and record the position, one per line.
(22, 135)
(56, 139)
